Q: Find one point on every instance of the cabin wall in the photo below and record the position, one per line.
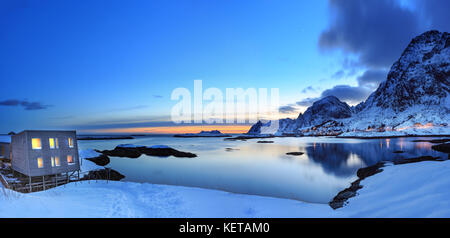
(46, 153)
(19, 155)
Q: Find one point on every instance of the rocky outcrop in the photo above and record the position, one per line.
(295, 153)
(101, 160)
(417, 159)
(103, 174)
(325, 109)
(132, 151)
(265, 141)
(420, 76)
(341, 198)
(213, 133)
(442, 148)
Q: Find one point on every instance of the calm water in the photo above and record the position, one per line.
(328, 165)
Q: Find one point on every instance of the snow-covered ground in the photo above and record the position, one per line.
(410, 190)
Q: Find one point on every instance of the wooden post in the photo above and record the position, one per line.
(43, 182)
(29, 183)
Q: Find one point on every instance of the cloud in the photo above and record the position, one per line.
(375, 30)
(157, 96)
(436, 13)
(309, 89)
(307, 102)
(287, 109)
(338, 75)
(346, 93)
(372, 78)
(25, 104)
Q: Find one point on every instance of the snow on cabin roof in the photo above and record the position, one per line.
(5, 139)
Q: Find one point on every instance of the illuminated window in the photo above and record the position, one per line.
(55, 161)
(70, 142)
(40, 162)
(70, 159)
(53, 143)
(36, 143)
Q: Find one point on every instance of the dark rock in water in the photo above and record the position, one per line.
(418, 159)
(230, 149)
(399, 151)
(213, 133)
(122, 152)
(442, 148)
(295, 153)
(104, 174)
(437, 141)
(136, 151)
(265, 141)
(101, 160)
(363, 173)
(341, 198)
(164, 152)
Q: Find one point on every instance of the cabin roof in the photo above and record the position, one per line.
(46, 131)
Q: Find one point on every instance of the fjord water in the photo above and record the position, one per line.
(328, 166)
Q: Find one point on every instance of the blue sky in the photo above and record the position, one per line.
(101, 64)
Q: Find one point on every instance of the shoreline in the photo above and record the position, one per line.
(343, 137)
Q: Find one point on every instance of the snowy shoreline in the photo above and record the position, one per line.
(391, 193)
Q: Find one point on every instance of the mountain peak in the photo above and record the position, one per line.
(420, 76)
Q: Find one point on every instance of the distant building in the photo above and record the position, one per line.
(41, 153)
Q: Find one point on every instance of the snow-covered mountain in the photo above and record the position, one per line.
(414, 99)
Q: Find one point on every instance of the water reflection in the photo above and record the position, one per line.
(328, 165)
(344, 159)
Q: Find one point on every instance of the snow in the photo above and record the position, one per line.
(415, 93)
(409, 190)
(391, 193)
(127, 146)
(159, 147)
(127, 199)
(87, 165)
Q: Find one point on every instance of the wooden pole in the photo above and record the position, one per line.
(43, 182)
(29, 183)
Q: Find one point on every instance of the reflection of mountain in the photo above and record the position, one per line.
(344, 159)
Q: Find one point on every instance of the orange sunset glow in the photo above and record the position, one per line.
(176, 129)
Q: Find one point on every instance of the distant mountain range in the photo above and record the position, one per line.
(413, 100)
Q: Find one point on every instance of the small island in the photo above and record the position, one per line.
(213, 133)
